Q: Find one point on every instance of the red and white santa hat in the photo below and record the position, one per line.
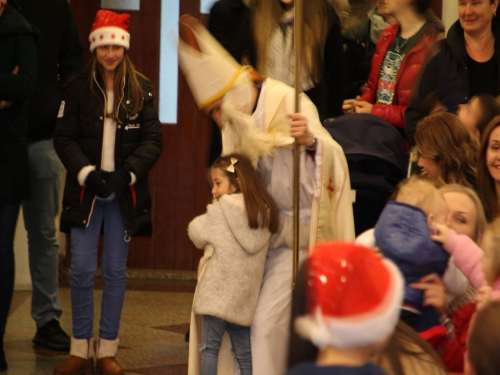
(110, 28)
(354, 297)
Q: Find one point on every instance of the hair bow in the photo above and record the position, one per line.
(231, 167)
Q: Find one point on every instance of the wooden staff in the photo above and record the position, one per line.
(298, 37)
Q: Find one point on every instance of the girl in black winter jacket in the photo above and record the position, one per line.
(108, 137)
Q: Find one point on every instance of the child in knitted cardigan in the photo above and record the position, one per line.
(238, 226)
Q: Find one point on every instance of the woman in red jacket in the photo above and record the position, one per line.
(399, 54)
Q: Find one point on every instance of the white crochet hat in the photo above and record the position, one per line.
(110, 28)
(209, 69)
(354, 297)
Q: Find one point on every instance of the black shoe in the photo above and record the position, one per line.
(51, 336)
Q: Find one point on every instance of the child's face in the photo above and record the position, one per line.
(462, 213)
(221, 183)
(109, 56)
(469, 114)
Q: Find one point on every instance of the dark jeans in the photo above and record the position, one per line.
(8, 220)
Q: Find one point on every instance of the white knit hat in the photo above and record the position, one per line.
(110, 28)
(209, 69)
(354, 297)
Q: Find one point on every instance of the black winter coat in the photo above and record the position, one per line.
(78, 142)
(445, 77)
(17, 48)
(60, 54)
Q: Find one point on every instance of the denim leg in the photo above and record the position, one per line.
(213, 330)
(8, 220)
(240, 341)
(84, 242)
(40, 213)
(114, 267)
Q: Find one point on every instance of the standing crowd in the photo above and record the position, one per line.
(418, 292)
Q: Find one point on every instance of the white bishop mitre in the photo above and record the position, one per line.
(210, 71)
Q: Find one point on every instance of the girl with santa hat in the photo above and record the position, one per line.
(108, 137)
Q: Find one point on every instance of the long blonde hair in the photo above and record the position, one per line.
(318, 15)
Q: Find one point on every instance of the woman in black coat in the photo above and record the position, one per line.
(464, 64)
(18, 68)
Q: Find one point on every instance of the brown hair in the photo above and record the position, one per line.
(472, 195)
(485, 183)
(484, 340)
(318, 15)
(125, 79)
(490, 107)
(259, 204)
(443, 138)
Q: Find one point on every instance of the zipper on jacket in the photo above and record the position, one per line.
(126, 238)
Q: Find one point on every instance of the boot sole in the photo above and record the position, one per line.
(48, 345)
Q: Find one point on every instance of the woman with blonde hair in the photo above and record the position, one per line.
(322, 63)
(448, 152)
(455, 308)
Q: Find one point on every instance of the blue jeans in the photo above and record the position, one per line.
(84, 242)
(213, 330)
(40, 213)
(8, 220)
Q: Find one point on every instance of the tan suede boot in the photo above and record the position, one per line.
(106, 362)
(81, 360)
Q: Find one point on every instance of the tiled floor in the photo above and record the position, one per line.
(154, 320)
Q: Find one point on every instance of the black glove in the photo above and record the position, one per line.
(96, 183)
(116, 182)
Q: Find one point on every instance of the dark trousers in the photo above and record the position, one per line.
(8, 220)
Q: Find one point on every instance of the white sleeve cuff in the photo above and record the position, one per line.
(84, 172)
(133, 179)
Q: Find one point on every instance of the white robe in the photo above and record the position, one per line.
(324, 182)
